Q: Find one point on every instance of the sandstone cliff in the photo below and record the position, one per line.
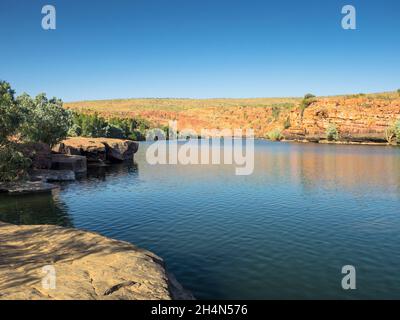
(356, 119)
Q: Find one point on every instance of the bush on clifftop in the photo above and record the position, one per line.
(306, 102)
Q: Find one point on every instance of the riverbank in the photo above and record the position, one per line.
(87, 266)
(355, 118)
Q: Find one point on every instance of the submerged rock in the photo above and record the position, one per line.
(85, 265)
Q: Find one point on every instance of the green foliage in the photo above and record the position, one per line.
(75, 130)
(306, 102)
(13, 164)
(397, 131)
(46, 120)
(276, 112)
(286, 123)
(390, 134)
(332, 133)
(309, 96)
(136, 135)
(275, 135)
(11, 115)
(92, 125)
(398, 91)
(114, 132)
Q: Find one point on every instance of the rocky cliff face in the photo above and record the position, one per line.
(356, 119)
(85, 266)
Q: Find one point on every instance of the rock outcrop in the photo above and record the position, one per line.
(86, 266)
(359, 119)
(77, 164)
(98, 149)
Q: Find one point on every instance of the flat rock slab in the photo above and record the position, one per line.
(25, 187)
(86, 266)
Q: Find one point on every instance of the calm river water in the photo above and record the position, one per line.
(284, 232)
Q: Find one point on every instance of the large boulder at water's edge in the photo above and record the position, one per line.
(120, 150)
(98, 149)
(50, 262)
(77, 164)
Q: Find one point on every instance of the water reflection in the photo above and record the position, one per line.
(46, 208)
(49, 208)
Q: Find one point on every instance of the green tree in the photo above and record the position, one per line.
(47, 121)
(306, 102)
(13, 164)
(11, 115)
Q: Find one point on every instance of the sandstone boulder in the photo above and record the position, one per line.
(120, 150)
(77, 164)
(98, 149)
(86, 266)
(92, 149)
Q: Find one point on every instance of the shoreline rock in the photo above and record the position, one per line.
(87, 266)
(26, 187)
(98, 149)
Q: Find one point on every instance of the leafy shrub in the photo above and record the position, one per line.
(397, 131)
(306, 102)
(46, 120)
(11, 116)
(136, 135)
(390, 133)
(276, 112)
(275, 135)
(75, 131)
(309, 96)
(13, 164)
(114, 132)
(332, 133)
(286, 123)
(92, 125)
(398, 91)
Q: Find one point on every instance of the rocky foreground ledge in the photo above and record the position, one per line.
(88, 266)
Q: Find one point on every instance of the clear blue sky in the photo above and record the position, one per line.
(199, 48)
